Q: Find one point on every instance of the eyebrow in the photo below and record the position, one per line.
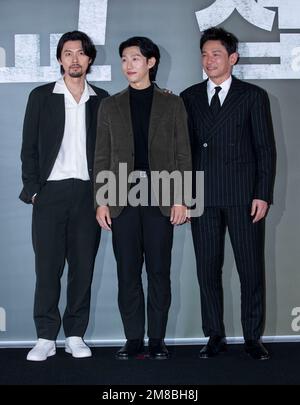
(73, 50)
(212, 52)
(136, 54)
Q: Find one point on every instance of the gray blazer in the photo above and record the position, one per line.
(168, 141)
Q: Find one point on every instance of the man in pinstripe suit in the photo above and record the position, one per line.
(232, 142)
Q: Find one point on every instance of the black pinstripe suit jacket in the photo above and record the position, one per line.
(236, 151)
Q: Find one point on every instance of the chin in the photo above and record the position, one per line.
(75, 74)
(212, 74)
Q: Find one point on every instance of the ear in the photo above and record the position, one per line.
(233, 58)
(151, 62)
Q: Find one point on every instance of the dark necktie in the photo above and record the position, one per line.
(215, 104)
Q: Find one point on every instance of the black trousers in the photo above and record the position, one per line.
(64, 228)
(247, 240)
(143, 233)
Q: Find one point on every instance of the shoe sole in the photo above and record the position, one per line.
(261, 359)
(69, 351)
(137, 356)
(159, 358)
(222, 351)
(52, 353)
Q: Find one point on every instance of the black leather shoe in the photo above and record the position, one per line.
(215, 345)
(158, 349)
(132, 348)
(256, 350)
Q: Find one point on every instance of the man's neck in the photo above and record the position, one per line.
(219, 81)
(75, 86)
(144, 84)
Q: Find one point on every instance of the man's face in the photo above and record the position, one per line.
(73, 59)
(216, 62)
(136, 67)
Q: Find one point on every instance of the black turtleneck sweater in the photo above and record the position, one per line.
(140, 106)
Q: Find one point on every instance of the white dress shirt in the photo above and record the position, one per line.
(71, 161)
(222, 94)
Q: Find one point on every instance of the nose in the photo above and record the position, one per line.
(209, 59)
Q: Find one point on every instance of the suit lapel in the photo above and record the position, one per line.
(56, 107)
(202, 109)
(234, 96)
(123, 103)
(90, 110)
(56, 104)
(157, 110)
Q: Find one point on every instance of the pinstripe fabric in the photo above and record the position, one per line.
(247, 242)
(236, 151)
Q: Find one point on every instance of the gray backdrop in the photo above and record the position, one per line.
(172, 24)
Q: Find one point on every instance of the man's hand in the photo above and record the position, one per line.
(103, 217)
(178, 214)
(258, 210)
(33, 198)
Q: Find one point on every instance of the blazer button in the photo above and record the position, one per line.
(205, 145)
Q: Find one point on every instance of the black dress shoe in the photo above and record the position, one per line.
(215, 345)
(256, 350)
(132, 348)
(158, 349)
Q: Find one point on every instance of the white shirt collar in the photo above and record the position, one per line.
(61, 88)
(225, 85)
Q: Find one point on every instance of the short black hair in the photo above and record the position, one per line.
(87, 46)
(228, 40)
(148, 49)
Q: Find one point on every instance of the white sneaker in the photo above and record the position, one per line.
(43, 348)
(76, 346)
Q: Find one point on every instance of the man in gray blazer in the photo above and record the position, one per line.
(146, 129)
(57, 162)
(232, 140)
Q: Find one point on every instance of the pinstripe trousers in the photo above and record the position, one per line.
(247, 241)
